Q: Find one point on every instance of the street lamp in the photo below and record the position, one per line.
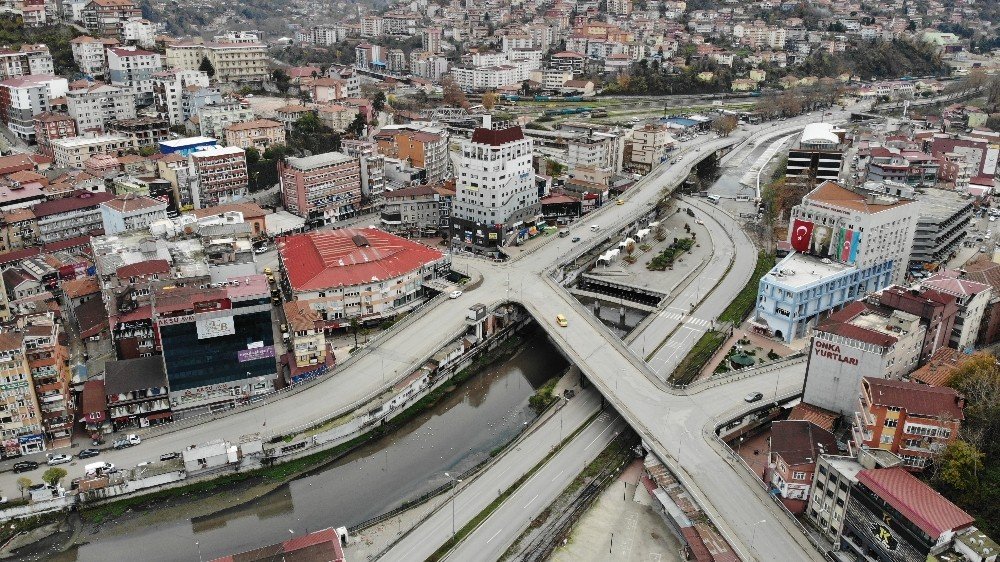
(454, 482)
(753, 533)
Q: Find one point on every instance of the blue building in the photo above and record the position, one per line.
(802, 289)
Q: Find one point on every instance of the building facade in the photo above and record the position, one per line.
(322, 189)
(92, 107)
(219, 175)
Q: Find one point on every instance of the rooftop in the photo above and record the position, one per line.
(801, 270)
(131, 203)
(128, 375)
(497, 137)
(801, 442)
(335, 258)
(942, 204)
(918, 502)
(820, 133)
(939, 369)
(79, 200)
(835, 195)
(318, 160)
(255, 124)
(915, 398)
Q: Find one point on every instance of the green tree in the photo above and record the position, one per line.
(206, 67)
(23, 483)
(281, 79)
(959, 466)
(53, 475)
(355, 327)
(378, 104)
(357, 127)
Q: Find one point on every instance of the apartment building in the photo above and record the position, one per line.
(309, 355)
(89, 54)
(20, 415)
(213, 119)
(49, 126)
(93, 106)
(603, 150)
(179, 94)
(413, 208)
(219, 175)
(48, 362)
(323, 188)
(259, 134)
(73, 152)
(29, 59)
(18, 230)
(143, 131)
(22, 98)
(139, 32)
(137, 392)
(372, 169)
(973, 299)
(243, 62)
(912, 420)
(795, 447)
(68, 217)
(106, 18)
(132, 69)
(650, 145)
(131, 212)
(495, 189)
(423, 147)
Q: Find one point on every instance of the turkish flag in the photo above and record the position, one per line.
(845, 251)
(801, 235)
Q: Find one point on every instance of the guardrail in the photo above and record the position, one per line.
(740, 374)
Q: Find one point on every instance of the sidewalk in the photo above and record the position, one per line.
(758, 341)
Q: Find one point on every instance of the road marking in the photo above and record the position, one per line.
(557, 475)
(494, 536)
(598, 436)
(529, 502)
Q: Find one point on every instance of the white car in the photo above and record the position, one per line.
(58, 459)
(454, 294)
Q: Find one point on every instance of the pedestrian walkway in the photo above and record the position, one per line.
(765, 344)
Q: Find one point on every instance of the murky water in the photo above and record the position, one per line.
(481, 415)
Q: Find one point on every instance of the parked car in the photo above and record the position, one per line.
(24, 466)
(260, 249)
(87, 453)
(127, 441)
(576, 239)
(753, 397)
(58, 459)
(169, 456)
(454, 294)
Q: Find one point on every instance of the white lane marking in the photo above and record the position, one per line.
(529, 502)
(557, 475)
(598, 436)
(494, 536)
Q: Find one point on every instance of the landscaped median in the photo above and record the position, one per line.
(744, 302)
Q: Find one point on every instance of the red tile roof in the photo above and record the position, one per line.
(918, 502)
(80, 287)
(939, 369)
(318, 546)
(93, 400)
(323, 259)
(836, 195)
(497, 137)
(80, 200)
(801, 442)
(916, 398)
(147, 267)
(814, 414)
(839, 323)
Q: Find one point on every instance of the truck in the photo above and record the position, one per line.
(98, 468)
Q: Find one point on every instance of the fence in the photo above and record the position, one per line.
(745, 373)
(37, 508)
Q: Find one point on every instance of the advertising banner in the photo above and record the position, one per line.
(801, 235)
(215, 327)
(255, 353)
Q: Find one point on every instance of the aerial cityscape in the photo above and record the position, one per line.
(427, 280)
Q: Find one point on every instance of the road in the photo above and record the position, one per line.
(471, 498)
(658, 414)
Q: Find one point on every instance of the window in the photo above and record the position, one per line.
(891, 422)
(799, 475)
(886, 440)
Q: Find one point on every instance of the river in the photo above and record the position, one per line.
(459, 432)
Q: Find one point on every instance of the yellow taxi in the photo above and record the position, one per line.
(561, 320)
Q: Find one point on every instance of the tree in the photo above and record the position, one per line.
(453, 94)
(959, 467)
(724, 124)
(23, 483)
(489, 100)
(378, 104)
(355, 326)
(53, 475)
(281, 79)
(206, 67)
(357, 127)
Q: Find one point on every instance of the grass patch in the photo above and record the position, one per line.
(744, 302)
(15, 526)
(544, 395)
(687, 370)
(666, 258)
(285, 470)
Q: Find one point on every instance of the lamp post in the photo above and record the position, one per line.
(454, 482)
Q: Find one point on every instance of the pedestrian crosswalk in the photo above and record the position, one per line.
(691, 320)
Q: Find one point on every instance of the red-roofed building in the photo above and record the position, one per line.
(795, 446)
(937, 310)
(912, 420)
(860, 339)
(891, 515)
(318, 546)
(366, 274)
(94, 407)
(69, 217)
(973, 299)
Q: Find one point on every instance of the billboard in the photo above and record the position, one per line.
(822, 235)
(254, 353)
(215, 327)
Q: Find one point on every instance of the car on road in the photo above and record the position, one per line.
(58, 459)
(982, 249)
(87, 453)
(576, 239)
(699, 221)
(454, 294)
(561, 320)
(260, 249)
(127, 441)
(169, 456)
(753, 397)
(24, 466)
(620, 202)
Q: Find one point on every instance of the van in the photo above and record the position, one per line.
(595, 227)
(563, 233)
(713, 199)
(98, 468)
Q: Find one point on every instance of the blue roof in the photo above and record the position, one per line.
(681, 121)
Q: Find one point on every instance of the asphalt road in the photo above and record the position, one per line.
(472, 497)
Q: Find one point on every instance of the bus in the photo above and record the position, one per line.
(713, 199)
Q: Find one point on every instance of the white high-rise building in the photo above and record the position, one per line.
(495, 189)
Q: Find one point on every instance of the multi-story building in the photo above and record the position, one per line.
(73, 152)
(395, 61)
(89, 54)
(358, 274)
(372, 166)
(795, 446)
(972, 151)
(423, 147)
(144, 131)
(213, 119)
(176, 94)
(944, 218)
(139, 32)
(219, 175)
(551, 79)
(217, 342)
(244, 62)
(478, 79)
(309, 354)
(569, 61)
(430, 40)
(937, 311)
(597, 149)
(132, 69)
(859, 340)
(323, 188)
(92, 107)
(350, 76)
(48, 362)
(137, 392)
(817, 157)
(129, 212)
(259, 134)
(174, 168)
(413, 208)
(20, 416)
(912, 420)
(22, 98)
(18, 230)
(972, 298)
(650, 145)
(428, 65)
(50, 126)
(495, 189)
(68, 217)
(106, 18)
(912, 168)
(29, 59)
